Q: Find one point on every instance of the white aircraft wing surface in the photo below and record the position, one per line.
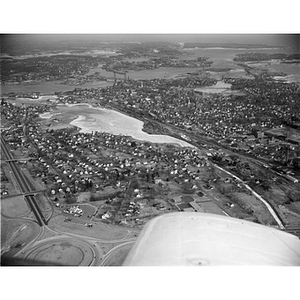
(180, 239)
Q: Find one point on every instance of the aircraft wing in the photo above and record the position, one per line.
(202, 239)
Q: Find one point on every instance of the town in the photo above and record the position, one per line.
(265, 129)
(241, 156)
(125, 172)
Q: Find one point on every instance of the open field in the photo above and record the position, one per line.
(100, 230)
(15, 234)
(118, 255)
(14, 207)
(212, 208)
(253, 206)
(64, 252)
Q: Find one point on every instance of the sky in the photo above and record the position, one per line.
(15, 42)
(155, 16)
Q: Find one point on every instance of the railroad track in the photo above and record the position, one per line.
(24, 186)
(290, 230)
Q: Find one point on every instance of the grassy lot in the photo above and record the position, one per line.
(14, 207)
(212, 208)
(118, 257)
(99, 230)
(62, 252)
(253, 206)
(17, 234)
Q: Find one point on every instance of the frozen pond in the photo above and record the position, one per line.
(220, 87)
(46, 115)
(106, 120)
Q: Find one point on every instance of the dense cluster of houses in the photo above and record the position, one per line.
(242, 123)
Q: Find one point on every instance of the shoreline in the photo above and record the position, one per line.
(115, 125)
(144, 120)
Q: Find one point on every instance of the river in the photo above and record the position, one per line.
(148, 74)
(49, 87)
(222, 57)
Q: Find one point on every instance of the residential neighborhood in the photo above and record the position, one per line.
(99, 139)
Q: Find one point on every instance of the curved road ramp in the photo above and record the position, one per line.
(201, 239)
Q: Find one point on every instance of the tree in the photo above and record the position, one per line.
(70, 199)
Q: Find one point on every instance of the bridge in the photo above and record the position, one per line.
(120, 72)
(30, 193)
(25, 159)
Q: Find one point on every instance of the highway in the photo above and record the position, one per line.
(112, 251)
(29, 197)
(24, 186)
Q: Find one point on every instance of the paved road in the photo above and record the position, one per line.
(29, 197)
(112, 252)
(269, 207)
(24, 186)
